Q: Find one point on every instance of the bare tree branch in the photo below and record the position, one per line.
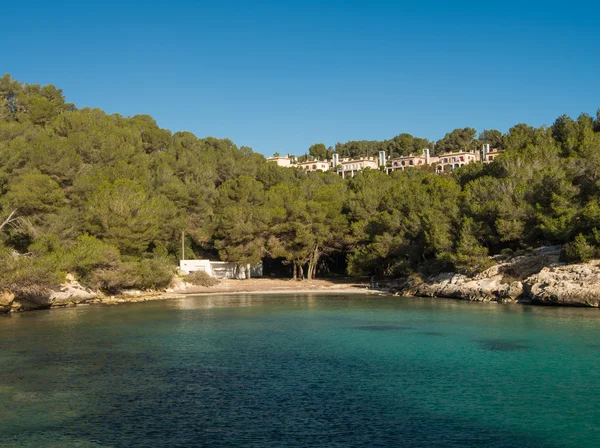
(10, 219)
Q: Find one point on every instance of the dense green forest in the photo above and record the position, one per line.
(107, 197)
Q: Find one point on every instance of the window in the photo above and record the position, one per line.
(410, 162)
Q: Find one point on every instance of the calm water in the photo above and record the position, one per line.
(301, 371)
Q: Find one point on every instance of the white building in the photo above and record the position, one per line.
(220, 269)
(281, 161)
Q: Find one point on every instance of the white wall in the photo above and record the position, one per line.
(188, 266)
(219, 269)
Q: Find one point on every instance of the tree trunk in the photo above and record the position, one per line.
(312, 265)
(300, 275)
(294, 270)
(315, 264)
(248, 271)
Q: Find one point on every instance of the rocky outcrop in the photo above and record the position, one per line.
(538, 277)
(459, 286)
(6, 301)
(71, 292)
(575, 285)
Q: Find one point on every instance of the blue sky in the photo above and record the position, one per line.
(279, 76)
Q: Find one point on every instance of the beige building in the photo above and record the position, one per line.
(314, 165)
(490, 156)
(487, 154)
(401, 163)
(455, 160)
(281, 161)
(349, 168)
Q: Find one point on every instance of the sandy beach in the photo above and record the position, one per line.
(269, 285)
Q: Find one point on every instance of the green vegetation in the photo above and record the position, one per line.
(107, 198)
(401, 145)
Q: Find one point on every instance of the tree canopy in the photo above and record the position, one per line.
(107, 197)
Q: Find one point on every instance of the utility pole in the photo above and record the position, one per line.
(183, 244)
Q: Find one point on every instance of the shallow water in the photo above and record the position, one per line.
(301, 370)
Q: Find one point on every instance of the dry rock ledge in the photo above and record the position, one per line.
(537, 277)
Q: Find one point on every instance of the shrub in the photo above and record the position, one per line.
(29, 276)
(115, 279)
(470, 257)
(88, 254)
(201, 278)
(577, 251)
(154, 273)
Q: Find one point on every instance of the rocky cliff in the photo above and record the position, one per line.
(71, 293)
(538, 277)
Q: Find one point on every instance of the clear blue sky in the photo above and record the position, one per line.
(279, 76)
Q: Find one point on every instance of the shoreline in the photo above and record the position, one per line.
(537, 278)
(73, 294)
(149, 297)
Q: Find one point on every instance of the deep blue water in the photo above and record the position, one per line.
(304, 370)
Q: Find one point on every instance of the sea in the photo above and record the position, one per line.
(301, 370)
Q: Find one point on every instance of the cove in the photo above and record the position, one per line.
(301, 370)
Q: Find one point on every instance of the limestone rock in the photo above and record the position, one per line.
(537, 277)
(575, 285)
(71, 293)
(6, 301)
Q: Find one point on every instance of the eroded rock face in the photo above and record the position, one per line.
(6, 301)
(575, 285)
(31, 300)
(467, 288)
(71, 293)
(538, 277)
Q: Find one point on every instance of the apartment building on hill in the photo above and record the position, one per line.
(347, 167)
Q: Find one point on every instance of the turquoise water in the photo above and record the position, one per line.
(305, 370)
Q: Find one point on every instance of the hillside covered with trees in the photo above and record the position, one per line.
(107, 197)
